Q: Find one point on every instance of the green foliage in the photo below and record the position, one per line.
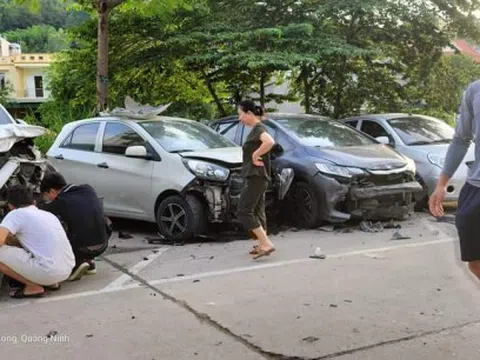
(53, 116)
(38, 39)
(22, 14)
(5, 93)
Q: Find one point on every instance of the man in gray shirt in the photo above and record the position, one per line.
(468, 208)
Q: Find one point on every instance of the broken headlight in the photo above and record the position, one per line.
(341, 171)
(207, 171)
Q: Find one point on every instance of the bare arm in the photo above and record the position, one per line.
(267, 144)
(4, 233)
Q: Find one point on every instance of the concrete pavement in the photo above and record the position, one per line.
(371, 298)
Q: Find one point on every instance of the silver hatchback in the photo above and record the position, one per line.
(176, 172)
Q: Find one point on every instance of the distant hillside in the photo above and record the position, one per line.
(42, 31)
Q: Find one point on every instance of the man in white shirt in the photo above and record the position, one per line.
(45, 258)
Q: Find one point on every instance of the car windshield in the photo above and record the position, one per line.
(184, 136)
(416, 130)
(321, 132)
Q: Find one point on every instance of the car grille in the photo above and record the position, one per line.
(390, 179)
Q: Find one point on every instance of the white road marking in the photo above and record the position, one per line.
(135, 269)
(111, 289)
(297, 261)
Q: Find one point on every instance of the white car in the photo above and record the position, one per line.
(175, 172)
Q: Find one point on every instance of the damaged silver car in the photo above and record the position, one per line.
(176, 172)
(20, 162)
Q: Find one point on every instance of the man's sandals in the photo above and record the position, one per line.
(19, 293)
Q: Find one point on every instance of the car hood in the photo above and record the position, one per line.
(440, 149)
(374, 157)
(230, 155)
(13, 133)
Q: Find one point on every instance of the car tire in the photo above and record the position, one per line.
(303, 205)
(421, 198)
(181, 219)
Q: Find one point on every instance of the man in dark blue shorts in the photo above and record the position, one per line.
(468, 209)
(80, 210)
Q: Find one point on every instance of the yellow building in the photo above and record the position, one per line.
(25, 74)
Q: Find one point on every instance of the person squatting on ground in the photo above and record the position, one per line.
(468, 209)
(43, 256)
(256, 170)
(81, 212)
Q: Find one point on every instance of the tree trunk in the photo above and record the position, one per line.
(262, 89)
(212, 91)
(307, 87)
(102, 56)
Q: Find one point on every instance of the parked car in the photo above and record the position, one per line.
(339, 173)
(176, 172)
(21, 163)
(424, 139)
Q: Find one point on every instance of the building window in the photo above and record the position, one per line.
(39, 87)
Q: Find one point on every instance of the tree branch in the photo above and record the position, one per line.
(114, 3)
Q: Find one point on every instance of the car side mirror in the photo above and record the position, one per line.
(383, 140)
(277, 151)
(139, 152)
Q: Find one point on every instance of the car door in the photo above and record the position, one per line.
(125, 183)
(76, 157)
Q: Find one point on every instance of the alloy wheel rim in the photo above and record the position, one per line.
(174, 219)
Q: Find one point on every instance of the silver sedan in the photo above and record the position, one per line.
(422, 138)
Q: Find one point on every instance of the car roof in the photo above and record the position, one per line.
(386, 116)
(279, 116)
(129, 119)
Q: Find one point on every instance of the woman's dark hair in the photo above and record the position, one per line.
(249, 105)
(20, 196)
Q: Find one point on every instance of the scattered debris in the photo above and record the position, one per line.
(212, 257)
(219, 343)
(318, 254)
(52, 334)
(391, 225)
(311, 339)
(439, 289)
(374, 256)
(180, 275)
(133, 317)
(196, 281)
(348, 301)
(333, 306)
(247, 335)
(145, 258)
(399, 236)
(123, 235)
(306, 304)
(211, 304)
(155, 251)
(114, 246)
(327, 228)
(422, 313)
(370, 227)
(154, 240)
(299, 317)
(89, 336)
(449, 219)
(193, 257)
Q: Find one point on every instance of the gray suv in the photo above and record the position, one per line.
(176, 172)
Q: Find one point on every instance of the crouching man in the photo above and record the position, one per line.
(80, 210)
(45, 257)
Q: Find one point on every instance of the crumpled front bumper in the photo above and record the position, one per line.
(360, 193)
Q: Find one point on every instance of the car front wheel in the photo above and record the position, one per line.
(180, 219)
(303, 205)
